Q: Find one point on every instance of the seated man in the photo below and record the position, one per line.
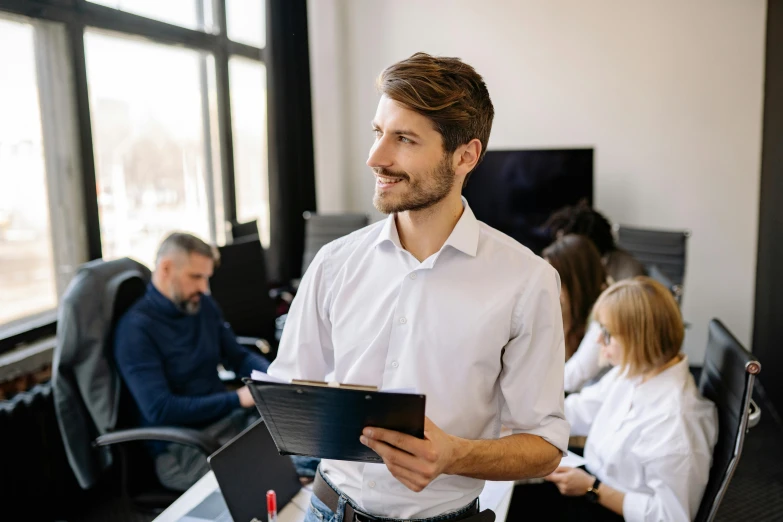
(167, 348)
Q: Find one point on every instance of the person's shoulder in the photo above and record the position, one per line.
(136, 319)
(683, 423)
(504, 250)
(342, 248)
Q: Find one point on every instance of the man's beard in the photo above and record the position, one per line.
(187, 305)
(422, 194)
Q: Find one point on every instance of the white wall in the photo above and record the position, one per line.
(668, 92)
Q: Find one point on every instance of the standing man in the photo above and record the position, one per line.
(435, 300)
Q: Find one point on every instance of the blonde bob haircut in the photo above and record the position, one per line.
(643, 315)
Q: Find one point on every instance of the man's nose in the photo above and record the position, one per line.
(380, 155)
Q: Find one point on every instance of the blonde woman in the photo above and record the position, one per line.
(650, 434)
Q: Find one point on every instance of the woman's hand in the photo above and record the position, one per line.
(572, 482)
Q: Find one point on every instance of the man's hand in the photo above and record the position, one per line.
(245, 399)
(414, 462)
(572, 482)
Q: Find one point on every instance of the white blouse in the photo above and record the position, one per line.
(585, 364)
(651, 441)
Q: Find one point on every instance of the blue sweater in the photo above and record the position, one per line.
(168, 360)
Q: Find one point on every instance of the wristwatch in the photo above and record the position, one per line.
(592, 492)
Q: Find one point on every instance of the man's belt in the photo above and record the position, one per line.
(331, 498)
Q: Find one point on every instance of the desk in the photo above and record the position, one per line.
(496, 496)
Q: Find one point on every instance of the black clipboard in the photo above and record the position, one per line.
(327, 422)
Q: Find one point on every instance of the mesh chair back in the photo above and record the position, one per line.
(321, 229)
(727, 380)
(662, 248)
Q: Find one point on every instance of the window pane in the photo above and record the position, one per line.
(246, 20)
(27, 281)
(152, 166)
(193, 14)
(248, 113)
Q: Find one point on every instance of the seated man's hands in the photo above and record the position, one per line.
(245, 398)
(572, 482)
(412, 461)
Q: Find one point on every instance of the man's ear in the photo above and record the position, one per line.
(165, 266)
(466, 157)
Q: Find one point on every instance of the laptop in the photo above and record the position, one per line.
(246, 468)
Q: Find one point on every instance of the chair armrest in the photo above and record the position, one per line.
(257, 343)
(754, 414)
(190, 437)
(283, 293)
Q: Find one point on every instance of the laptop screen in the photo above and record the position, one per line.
(246, 468)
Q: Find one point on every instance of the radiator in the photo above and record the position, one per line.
(36, 482)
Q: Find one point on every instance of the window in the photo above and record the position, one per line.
(150, 133)
(116, 128)
(27, 279)
(248, 108)
(246, 20)
(193, 14)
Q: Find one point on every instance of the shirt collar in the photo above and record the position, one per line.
(161, 302)
(663, 385)
(464, 237)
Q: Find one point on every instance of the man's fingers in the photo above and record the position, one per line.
(409, 479)
(396, 457)
(405, 442)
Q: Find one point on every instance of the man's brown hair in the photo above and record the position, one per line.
(447, 91)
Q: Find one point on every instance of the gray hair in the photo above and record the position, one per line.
(184, 243)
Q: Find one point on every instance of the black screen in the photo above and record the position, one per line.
(515, 191)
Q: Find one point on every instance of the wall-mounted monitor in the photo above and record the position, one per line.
(515, 191)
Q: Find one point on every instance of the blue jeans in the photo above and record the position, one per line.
(320, 512)
(305, 466)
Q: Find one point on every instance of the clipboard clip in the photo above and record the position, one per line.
(334, 384)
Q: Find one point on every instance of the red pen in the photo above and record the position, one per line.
(271, 505)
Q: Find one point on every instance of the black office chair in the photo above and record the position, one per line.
(94, 409)
(660, 251)
(321, 229)
(727, 380)
(241, 231)
(241, 287)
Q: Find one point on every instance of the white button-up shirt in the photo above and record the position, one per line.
(585, 364)
(476, 327)
(652, 441)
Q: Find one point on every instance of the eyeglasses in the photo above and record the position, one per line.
(605, 337)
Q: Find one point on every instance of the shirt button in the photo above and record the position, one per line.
(403, 320)
(395, 364)
(413, 275)
(371, 484)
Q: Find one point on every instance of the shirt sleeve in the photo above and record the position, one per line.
(306, 350)
(581, 408)
(241, 359)
(141, 368)
(677, 481)
(531, 380)
(585, 363)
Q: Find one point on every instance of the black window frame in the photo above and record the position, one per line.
(79, 15)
